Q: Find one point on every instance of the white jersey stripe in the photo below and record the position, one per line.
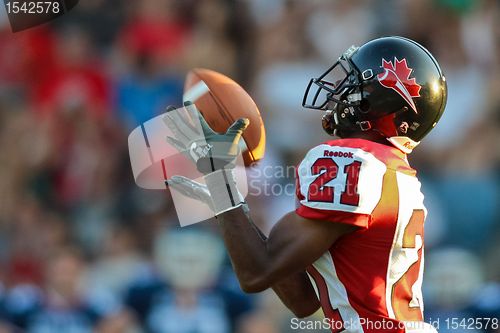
(401, 259)
(337, 293)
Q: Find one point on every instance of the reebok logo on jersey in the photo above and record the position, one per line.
(396, 76)
(328, 153)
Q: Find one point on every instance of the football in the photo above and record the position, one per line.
(222, 101)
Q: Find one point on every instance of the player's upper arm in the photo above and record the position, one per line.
(293, 244)
(339, 184)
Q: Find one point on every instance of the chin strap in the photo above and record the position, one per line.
(333, 124)
(364, 125)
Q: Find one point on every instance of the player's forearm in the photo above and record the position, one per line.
(298, 295)
(295, 291)
(247, 250)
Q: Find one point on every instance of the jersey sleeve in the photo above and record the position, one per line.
(339, 184)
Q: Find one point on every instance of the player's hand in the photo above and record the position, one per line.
(196, 191)
(209, 150)
(191, 189)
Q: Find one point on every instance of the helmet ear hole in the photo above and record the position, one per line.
(364, 106)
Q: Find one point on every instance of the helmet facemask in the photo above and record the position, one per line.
(338, 81)
(338, 92)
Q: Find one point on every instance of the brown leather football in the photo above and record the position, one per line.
(222, 101)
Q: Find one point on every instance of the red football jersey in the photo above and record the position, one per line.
(369, 280)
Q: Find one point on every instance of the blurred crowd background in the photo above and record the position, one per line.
(83, 249)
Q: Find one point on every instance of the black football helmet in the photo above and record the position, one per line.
(391, 85)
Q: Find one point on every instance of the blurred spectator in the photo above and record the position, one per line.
(145, 92)
(223, 39)
(151, 46)
(100, 18)
(26, 59)
(62, 306)
(119, 260)
(463, 273)
(454, 289)
(27, 246)
(487, 304)
(154, 29)
(187, 293)
(328, 24)
(77, 82)
(288, 60)
(465, 105)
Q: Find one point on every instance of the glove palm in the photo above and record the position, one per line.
(209, 150)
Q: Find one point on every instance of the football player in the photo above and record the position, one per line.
(357, 232)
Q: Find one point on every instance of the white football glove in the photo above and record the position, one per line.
(209, 150)
(214, 155)
(191, 189)
(195, 190)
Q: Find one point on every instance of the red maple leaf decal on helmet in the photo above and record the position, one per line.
(396, 76)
